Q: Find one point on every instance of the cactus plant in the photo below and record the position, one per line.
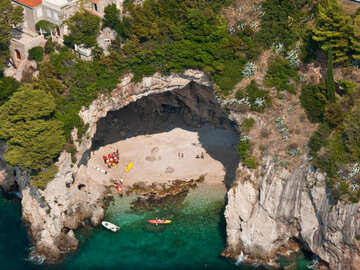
(354, 187)
(336, 186)
(249, 69)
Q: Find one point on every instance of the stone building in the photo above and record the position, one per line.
(26, 36)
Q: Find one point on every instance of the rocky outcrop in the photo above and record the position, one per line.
(270, 206)
(157, 195)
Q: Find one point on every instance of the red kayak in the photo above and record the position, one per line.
(120, 189)
(159, 221)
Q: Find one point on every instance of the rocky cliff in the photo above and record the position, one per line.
(270, 207)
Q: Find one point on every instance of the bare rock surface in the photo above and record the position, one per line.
(268, 208)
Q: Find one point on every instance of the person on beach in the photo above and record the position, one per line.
(117, 153)
(179, 155)
(121, 180)
(182, 155)
(104, 158)
(197, 156)
(202, 155)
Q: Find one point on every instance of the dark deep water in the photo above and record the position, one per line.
(193, 240)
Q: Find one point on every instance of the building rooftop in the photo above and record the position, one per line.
(29, 3)
(59, 3)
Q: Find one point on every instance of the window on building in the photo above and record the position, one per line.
(39, 12)
(48, 13)
(56, 16)
(95, 7)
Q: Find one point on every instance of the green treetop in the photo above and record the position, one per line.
(34, 139)
(355, 37)
(83, 27)
(332, 29)
(8, 16)
(112, 17)
(330, 84)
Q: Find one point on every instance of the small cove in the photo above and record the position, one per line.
(193, 240)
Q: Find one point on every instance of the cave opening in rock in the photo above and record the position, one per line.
(179, 113)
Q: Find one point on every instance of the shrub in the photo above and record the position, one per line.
(71, 148)
(247, 124)
(37, 53)
(351, 132)
(348, 86)
(313, 100)
(259, 99)
(49, 47)
(320, 137)
(43, 177)
(8, 86)
(251, 163)
(279, 75)
(230, 76)
(239, 94)
(333, 114)
(244, 148)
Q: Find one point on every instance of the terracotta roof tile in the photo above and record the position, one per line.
(30, 3)
(95, 1)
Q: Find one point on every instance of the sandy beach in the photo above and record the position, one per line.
(160, 157)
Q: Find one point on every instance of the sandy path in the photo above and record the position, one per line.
(153, 156)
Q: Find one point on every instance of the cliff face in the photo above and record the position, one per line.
(52, 214)
(270, 206)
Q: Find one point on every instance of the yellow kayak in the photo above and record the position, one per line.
(110, 226)
(129, 167)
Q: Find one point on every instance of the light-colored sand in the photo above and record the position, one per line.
(155, 158)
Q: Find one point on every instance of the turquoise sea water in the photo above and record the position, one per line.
(193, 240)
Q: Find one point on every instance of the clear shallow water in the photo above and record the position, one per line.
(193, 240)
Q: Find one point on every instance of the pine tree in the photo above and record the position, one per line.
(332, 29)
(33, 137)
(330, 84)
(355, 37)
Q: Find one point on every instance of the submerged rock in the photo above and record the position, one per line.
(158, 195)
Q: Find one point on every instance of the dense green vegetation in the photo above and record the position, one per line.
(8, 86)
(281, 75)
(334, 29)
(34, 137)
(83, 27)
(283, 22)
(37, 53)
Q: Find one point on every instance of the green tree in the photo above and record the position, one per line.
(355, 37)
(37, 53)
(8, 16)
(330, 84)
(280, 73)
(83, 28)
(33, 137)
(333, 114)
(112, 17)
(8, 86)
(313, 100)
(332, 29)
(351, 132)
(45, 27)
